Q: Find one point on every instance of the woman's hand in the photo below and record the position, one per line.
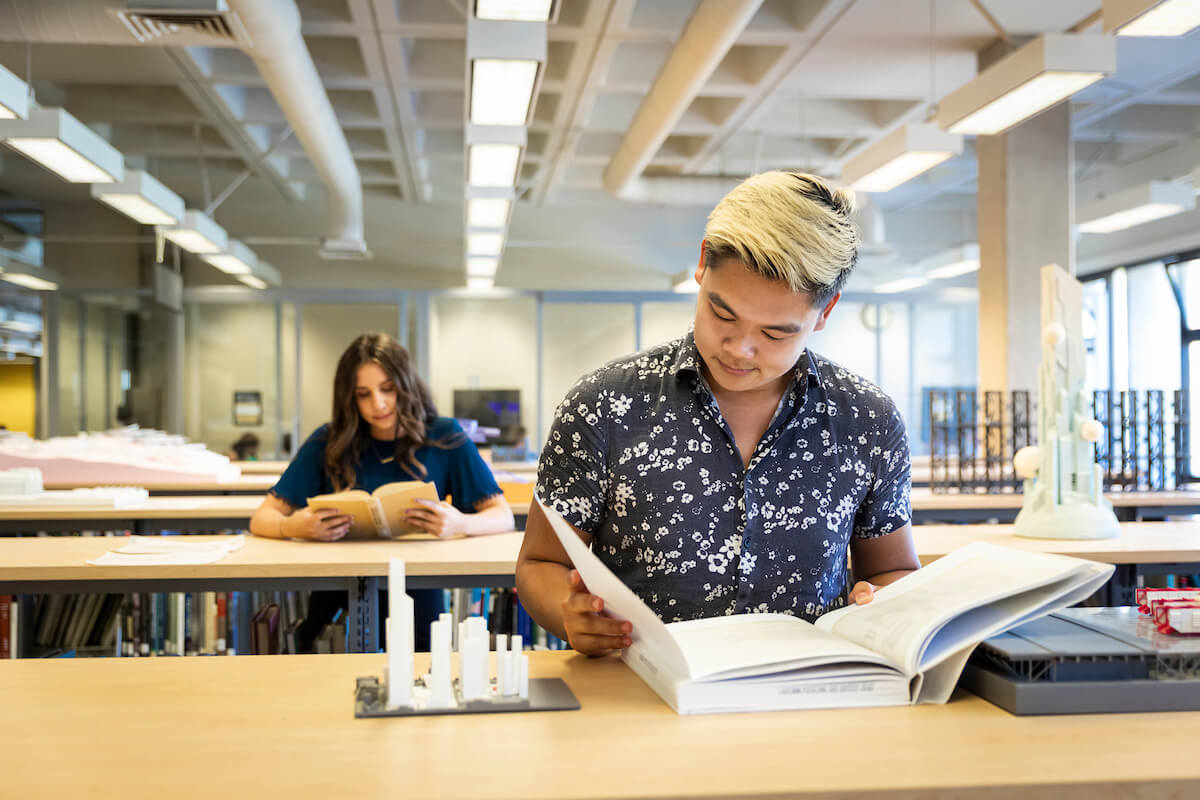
(439, 518)
(323, 525)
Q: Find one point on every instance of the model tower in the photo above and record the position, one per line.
(1063, 486)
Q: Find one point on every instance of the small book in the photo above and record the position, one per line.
(908, 645)
(379, 514)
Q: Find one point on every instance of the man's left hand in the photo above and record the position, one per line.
(862, 593)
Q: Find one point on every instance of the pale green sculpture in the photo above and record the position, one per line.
(1063, 484)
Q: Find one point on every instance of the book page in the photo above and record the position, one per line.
(988, 588)
(394, 498)
(620, 601)
(759, 644)
(354, 502)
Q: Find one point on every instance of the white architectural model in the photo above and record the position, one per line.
(437, 689)
(1063, 485)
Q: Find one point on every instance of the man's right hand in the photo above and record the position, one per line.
(589, 630)
(324, 524)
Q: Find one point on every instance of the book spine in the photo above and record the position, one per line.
(381, 524)
(222, 621)
(5, 622)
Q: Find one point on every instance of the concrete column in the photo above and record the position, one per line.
(1026, 207)
(173, 333)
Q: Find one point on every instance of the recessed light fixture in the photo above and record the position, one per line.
(480, 283)
(516, 10)
(485, 244)
(501, 90)
(482, 266)
(1026, 82)
(900, 156)
(197, 234)
(139, 196)
(492, 164)
(237, 259)
(900, 285)
(64, 145)
(14, 96)
(488, 212)
(1151, 17)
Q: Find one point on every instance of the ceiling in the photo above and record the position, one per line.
(807, 85)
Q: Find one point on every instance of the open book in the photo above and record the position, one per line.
(379, 514)
(908, 645)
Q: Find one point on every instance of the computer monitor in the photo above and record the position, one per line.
(492, 408)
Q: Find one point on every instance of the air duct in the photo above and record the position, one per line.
(277, 48)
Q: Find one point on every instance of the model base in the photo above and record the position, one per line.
(545, 694)
(1068, 521)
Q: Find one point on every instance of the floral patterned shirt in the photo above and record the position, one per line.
(640, 457)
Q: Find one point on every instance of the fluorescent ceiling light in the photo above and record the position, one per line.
(900, 156)
(488, 212)
(65, 146)
(236, 260)
(30, 277)
(142, 198)
(492, 164)
(480, 283)
(197, 234)
(900, 285)
(14, 96)
(685, 282)
(1135, 206)
(253, 281)
(520, 10)
(482, 266)
(1151, 17)
(951, 263)
(1026, 82)
(485, 244)
(265, 273)
(501, 90)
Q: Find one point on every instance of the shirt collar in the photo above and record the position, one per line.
(687, 360)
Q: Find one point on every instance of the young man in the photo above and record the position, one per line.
(732, 470)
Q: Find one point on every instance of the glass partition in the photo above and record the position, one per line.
(484, 345)
(664, 321)
(231, 357)
(326, 331)
(578, 338)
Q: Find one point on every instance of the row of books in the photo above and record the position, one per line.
(504, 614)
(214, 623)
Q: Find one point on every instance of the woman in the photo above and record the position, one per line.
(384, 429)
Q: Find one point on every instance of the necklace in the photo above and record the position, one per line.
(385, 459)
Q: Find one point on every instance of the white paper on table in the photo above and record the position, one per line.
(167, 551)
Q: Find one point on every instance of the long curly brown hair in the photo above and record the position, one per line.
(349, 433)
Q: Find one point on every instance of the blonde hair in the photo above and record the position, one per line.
(786, 226)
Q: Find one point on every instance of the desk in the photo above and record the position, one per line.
(963, 507)
(262, 467)
(283, 727)
(246, 484)
(59, 564)
(201, 513)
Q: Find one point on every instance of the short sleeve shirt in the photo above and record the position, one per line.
(640, 457)
(456, 469)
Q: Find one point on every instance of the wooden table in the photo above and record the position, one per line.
(976, 507)
(262, 467)
(55, 564)
(245, 484)
(203, 513)
(253, 727)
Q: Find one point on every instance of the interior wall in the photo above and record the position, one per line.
(231, 348)
(663, 322)
(579, 338)
(326, 331)
(479, 343)
(18, 397)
